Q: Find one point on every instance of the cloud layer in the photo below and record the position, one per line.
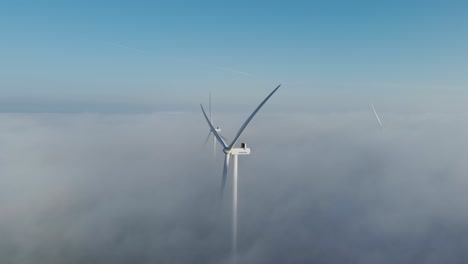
(330, 188)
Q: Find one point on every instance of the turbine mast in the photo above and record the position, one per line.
(214, 147)
(234, 208)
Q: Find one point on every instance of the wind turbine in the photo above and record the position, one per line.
(230, 150)
(217, 129)
(376, 116)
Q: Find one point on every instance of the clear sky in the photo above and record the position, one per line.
(89, 55)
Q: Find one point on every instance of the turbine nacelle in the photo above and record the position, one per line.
(240, 151)
(243, 150)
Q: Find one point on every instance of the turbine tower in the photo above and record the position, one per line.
(217, 129)
(230, 150)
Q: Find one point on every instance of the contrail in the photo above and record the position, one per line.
(225, 69)
(123, 46)
(111, 43)
(234, 71)
(120, 45)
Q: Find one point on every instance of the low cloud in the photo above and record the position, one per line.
(329, 188)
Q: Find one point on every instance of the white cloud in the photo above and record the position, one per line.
(141, 188)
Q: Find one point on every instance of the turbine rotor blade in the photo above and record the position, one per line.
(225, 170)
(376, 116)
(225, 139)
(208, 137)
(211, 117)
(250, 117)
(213, 130)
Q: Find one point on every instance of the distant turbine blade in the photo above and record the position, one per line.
(208, 137)
(376, 115)
(225, 139)
(211, 117)
(250, 117)
(213, 130)
(225, 170)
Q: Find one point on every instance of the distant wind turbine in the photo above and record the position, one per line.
(217, 129)
(376, 116)
(229, 150)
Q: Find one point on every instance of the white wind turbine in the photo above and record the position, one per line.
(229, 150)
(217, 129)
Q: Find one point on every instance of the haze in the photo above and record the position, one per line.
(101, 134)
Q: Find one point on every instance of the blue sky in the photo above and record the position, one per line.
(91, 55)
